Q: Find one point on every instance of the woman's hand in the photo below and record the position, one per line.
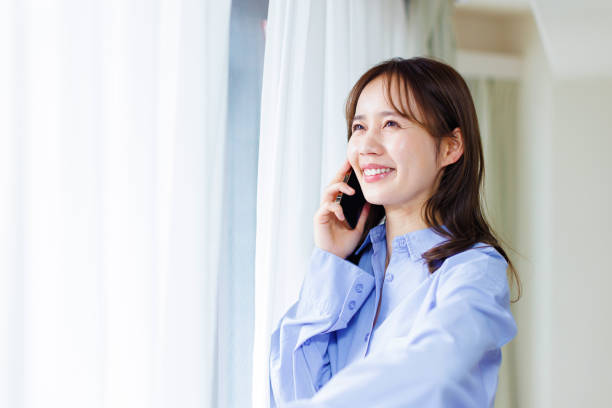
(331, 231)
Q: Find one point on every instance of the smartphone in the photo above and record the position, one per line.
(351, 204)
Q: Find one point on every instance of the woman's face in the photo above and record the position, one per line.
(381, 138)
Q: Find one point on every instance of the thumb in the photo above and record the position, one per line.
(364, 216)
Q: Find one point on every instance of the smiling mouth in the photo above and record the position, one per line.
(373, 176)
(373, 172)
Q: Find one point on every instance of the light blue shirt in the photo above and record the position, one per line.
(436, 342)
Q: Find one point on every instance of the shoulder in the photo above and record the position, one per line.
(479, 254)
(480, 267)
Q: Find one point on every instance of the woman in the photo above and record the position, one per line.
(410, 308)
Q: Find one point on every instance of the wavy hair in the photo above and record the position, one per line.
(444, 99)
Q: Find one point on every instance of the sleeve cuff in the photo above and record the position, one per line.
(335, 288)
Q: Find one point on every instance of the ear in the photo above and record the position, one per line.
(451, 147)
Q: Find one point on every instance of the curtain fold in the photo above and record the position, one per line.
(113, 157)
(431, 32)
(315, 51)
(496, 106)
(236, 278)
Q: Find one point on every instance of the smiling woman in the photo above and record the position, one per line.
(411, 307)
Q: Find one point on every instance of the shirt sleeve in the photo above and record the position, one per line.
(437, 363)
(333, 290)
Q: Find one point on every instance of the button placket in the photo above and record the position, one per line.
(402, 242)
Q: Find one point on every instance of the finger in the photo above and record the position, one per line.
(330, 193)
(336, 209)
(342, 172)
(328, 212)
(365, 211)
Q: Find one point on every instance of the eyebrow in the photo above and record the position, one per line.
(383, 113)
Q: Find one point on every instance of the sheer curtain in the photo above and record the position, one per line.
(112, 157)
(496, 106)
(236, 278)
(315, 51)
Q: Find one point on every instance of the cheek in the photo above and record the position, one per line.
(351, 152)
(418, 156)
(406, 154)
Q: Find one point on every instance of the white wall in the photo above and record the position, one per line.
(581, 278)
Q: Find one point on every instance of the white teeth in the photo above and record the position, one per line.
(373, 172)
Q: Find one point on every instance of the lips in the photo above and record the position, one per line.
(370, 178)
(372, 172)
(375, 166)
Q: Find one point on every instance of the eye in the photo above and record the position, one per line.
(355, 126)
(391, 121)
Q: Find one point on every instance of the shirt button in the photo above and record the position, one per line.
(351, 304)
(359, 288)
(367, 336)
(307, 342)
(389, 277)
(402, 242)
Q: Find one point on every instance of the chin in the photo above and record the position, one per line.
(376, 199)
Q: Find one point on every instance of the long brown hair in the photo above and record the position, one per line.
(444, 100)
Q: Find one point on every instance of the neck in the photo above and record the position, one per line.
(401, 221)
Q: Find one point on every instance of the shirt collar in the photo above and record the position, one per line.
(374, 234)
(415, 242)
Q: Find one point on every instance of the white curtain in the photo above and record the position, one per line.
(236, 278)
(431, 31)
(495, 100)
(315, 51)
(112, 140)
(496, 106)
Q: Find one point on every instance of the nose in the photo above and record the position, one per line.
(369, 142)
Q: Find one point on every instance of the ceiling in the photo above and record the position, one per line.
(576, 34)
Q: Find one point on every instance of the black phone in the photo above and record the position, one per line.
(351, 204)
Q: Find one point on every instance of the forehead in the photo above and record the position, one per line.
(376, 97)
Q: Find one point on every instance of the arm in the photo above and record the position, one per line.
(434, 365)
(332, 292)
